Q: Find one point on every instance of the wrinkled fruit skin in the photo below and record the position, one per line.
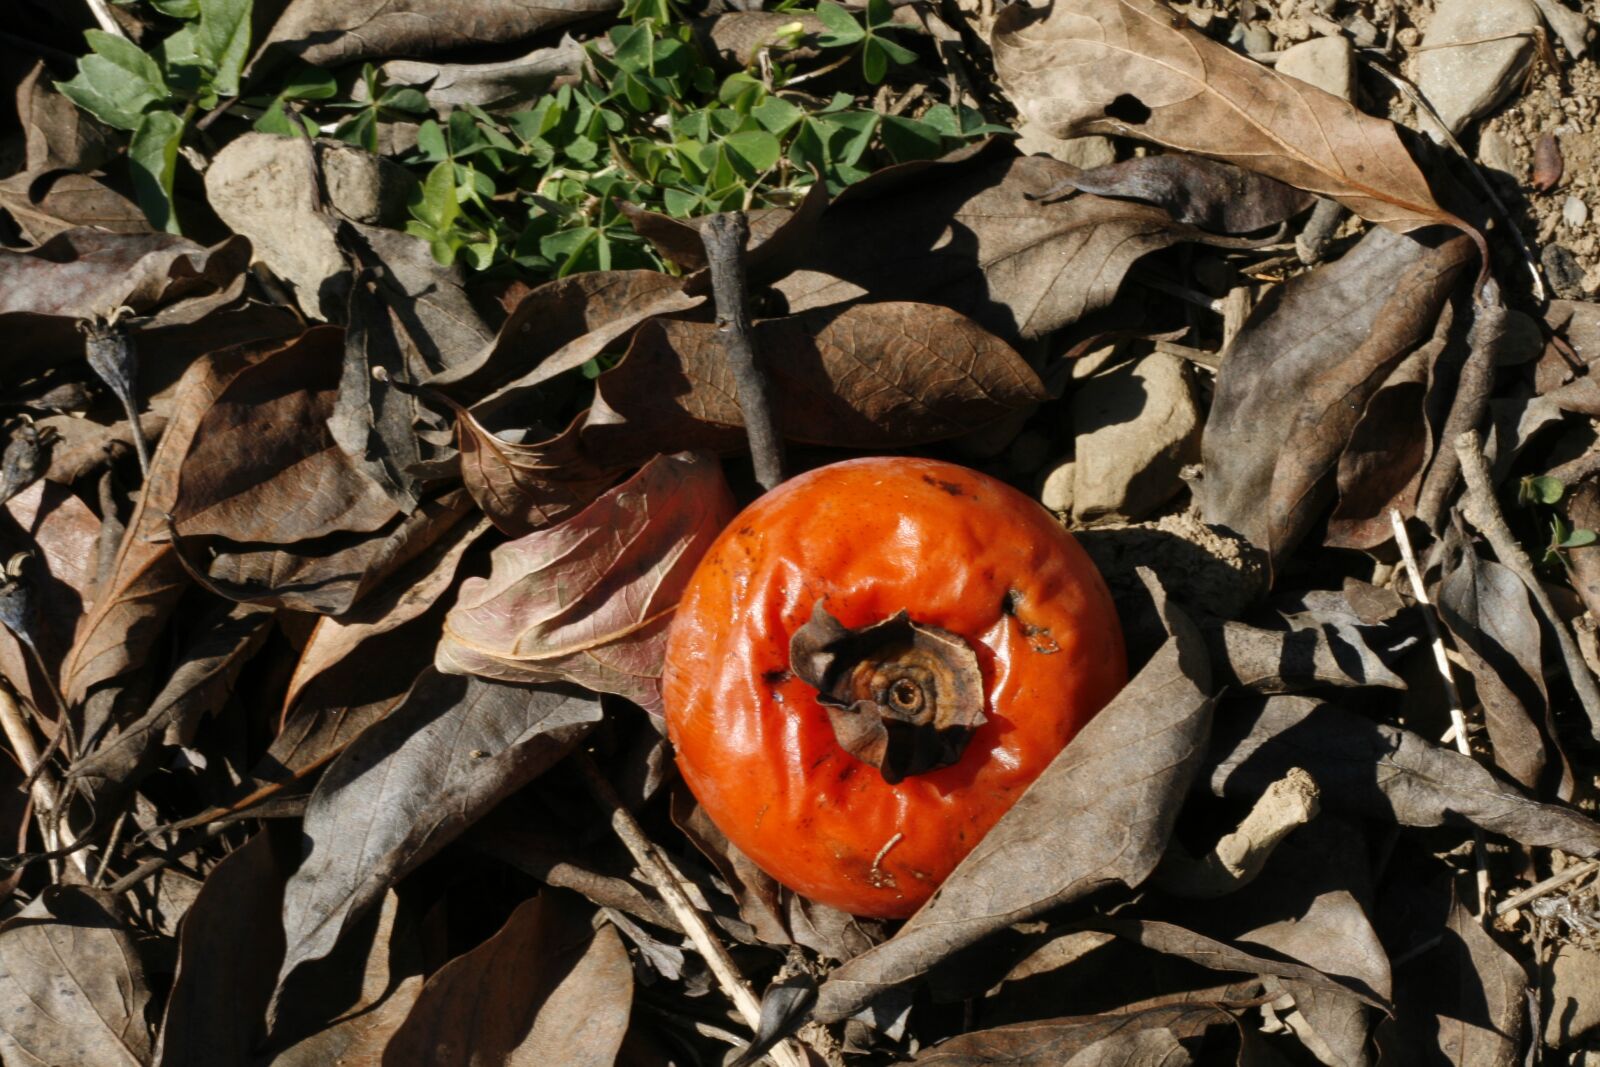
(956, 549)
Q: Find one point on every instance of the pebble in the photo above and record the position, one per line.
(1574, 212)
(1056, 491)
(1495, 153)
(1467, 81)
(1361, 31)
(1137, 426)
(1258, 39)
(1329, 63)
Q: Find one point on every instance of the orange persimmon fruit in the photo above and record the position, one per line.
(870, 665)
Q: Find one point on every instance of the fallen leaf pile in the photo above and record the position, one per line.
(337, 582)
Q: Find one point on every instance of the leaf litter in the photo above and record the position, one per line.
(326, 600)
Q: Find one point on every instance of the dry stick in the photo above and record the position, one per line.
(725, 236)
(45, 803)
(1468, 407)
(659, 872)
(1441, 659)
(102, 15)
(1555, 881)
(1289, 803)
(1483, 511)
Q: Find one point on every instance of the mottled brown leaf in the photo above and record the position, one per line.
(1296, 377)
(589, 600)
(546, 989)
(263, 467)
(72, 987)
(409, 785)
(332, 34)
(1099, 815)
(863, 376)
(1136, 68)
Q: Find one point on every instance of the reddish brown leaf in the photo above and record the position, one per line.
(1547, 162)
(589, 601)
(1138, 69)
(523, 487)
(263, 467)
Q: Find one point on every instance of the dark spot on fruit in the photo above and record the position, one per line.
(950, 487)
(1011, 601)
(776, 677)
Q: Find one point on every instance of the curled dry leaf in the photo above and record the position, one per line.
(1201, 192)
(408, 786)
(1099, 815)
(1486, 608)
(1295, 379)
(72, 987)
(523, 487)
(263, 466)
(330, 35)
(863, 376)
(589, 601)
(1374, 771)
(1136, 68)
(546, 989)
(500, 85)
(969, 233)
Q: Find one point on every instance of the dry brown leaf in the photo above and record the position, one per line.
(589, 601)
(523, 487)
(862, 376)
(1136, 68)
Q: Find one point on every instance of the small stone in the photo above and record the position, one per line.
(1258, 39)
(1137, 426)
(1571, 996)
(1563, 272)
(1574, 212)
(1329, 63)
(1465, 81)
(1085, 153)
(1408, 37)
(1055, 492)
(1496, 153)
(1571, 26)
(1361, 31)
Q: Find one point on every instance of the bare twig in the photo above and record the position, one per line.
(102, 16)
(1483, 511)
(1441, 659)
(1290, 802)
(1313, 240)
(46, 803)
(1554, 882)
(1467, 408)
(725, 236)
(666, 882)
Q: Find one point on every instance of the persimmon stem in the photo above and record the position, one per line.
(724, 236)
(668, 883)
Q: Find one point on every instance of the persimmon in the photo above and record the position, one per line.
(870, 665)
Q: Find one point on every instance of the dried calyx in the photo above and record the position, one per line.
(901, 696)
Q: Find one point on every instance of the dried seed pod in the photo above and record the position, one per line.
(1547, 163)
